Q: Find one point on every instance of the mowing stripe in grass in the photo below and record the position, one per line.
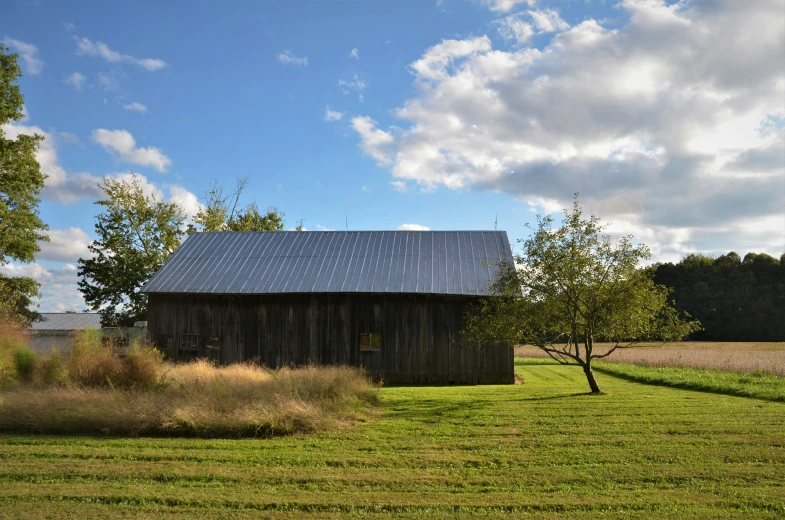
(542, 448)
(758, 385)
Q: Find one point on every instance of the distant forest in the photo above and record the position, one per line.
(735, 299)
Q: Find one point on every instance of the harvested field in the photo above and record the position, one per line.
(728, 356)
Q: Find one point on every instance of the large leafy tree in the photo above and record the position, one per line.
(136, 233)
(221, 212)
(572, 286)
(21, 182)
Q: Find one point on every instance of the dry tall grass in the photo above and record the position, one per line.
(92, 390)
(199, 399)
(729, 356)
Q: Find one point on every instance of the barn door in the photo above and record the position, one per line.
(212, 349)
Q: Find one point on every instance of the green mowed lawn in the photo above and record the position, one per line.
(543, 449)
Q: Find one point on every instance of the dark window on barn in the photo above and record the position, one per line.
(370, 341)
(165, 343)
(189, 342)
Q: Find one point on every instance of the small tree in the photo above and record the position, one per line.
(136, 233)
(572, 286)
(221, 213)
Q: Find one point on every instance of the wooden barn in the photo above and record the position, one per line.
(393, 302)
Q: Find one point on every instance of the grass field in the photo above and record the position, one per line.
(544, 448)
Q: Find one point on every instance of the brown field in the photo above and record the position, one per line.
(730, 356)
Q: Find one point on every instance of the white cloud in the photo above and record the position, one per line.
(65, 245)
(682, 148)
(76, 80)
(375, 142)
(68, 26)
(436, 63)
(123, 145)
(412, 227)
(185, 199)
(521, 27)
(137, 107)
(399, 186)
(59, 292)
(319, 227)
(332, 115)
(29, 54)
(89, 48)
(366, 189)
(356, 84)
(504, 6)
(288, 58)
(354, 54)
(59, 185)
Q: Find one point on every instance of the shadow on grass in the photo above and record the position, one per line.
(686, 385)
(563, 396)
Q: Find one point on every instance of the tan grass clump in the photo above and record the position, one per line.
(198, 399)
(728, 356)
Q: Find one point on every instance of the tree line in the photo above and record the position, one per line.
(735, 299)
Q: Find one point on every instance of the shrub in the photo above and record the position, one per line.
(14, 354)
(24, 363)
(50, 370)
(91, 362)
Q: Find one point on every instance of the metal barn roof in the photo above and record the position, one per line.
(67, 321)
(423, 262)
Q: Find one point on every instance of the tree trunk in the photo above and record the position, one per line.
(595, 388)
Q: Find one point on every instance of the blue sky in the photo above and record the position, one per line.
(436, 114)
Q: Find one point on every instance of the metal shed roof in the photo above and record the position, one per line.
(67, 321)
(422, 262)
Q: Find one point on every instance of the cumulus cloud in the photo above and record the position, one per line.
(288, 58)
(76, 80)
(412, 227)
(354, 53)
(59, 185)
(319, 227)
(332, 115)
(86, 47)
(374, 142)
(123, 145)
(521, 27)
(136, 107)
(29, 54)
(683, 149)
(65, 245)
(504, 6)
(185, 199)
(59, 292)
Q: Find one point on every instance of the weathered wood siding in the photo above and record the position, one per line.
(420, 334)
